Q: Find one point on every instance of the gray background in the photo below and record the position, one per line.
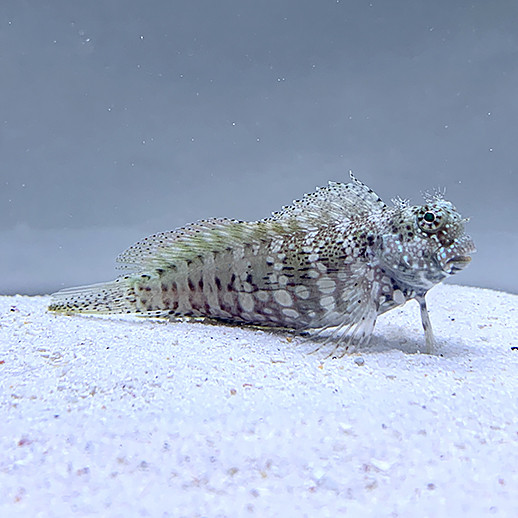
(121, 118)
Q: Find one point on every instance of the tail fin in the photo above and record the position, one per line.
(111, 297)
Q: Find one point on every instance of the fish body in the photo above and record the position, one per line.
(333, 261)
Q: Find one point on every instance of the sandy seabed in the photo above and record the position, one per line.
(133, 417)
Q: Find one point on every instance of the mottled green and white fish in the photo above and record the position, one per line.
(333, 261)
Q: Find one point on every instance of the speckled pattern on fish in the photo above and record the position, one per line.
(330, 263)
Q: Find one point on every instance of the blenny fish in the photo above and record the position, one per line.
(328, 264)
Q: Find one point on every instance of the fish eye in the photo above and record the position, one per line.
(429, 217)
(430, 220)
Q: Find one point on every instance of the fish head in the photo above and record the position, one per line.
(441, 227)
(423, 244)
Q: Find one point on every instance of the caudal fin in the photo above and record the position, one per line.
(111, 297)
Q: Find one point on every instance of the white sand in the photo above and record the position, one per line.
(131, 417)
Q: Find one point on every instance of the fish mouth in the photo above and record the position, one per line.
(456, 257)
(457, 263)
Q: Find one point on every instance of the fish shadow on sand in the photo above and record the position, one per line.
(403, 342)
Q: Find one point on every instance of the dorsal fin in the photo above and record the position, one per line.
(144, 253)
(335, 203)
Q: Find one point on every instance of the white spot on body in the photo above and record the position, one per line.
(302, 292)
(290, 313)
(276, 246)
(322, 267)
(283, 298)
(326, 285)
(246, 301)
(283, 280)
(228, 299)
(328, 302)
(247, 287)
(262, 295)
(398, 297)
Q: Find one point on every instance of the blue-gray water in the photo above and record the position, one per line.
(121, 118)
